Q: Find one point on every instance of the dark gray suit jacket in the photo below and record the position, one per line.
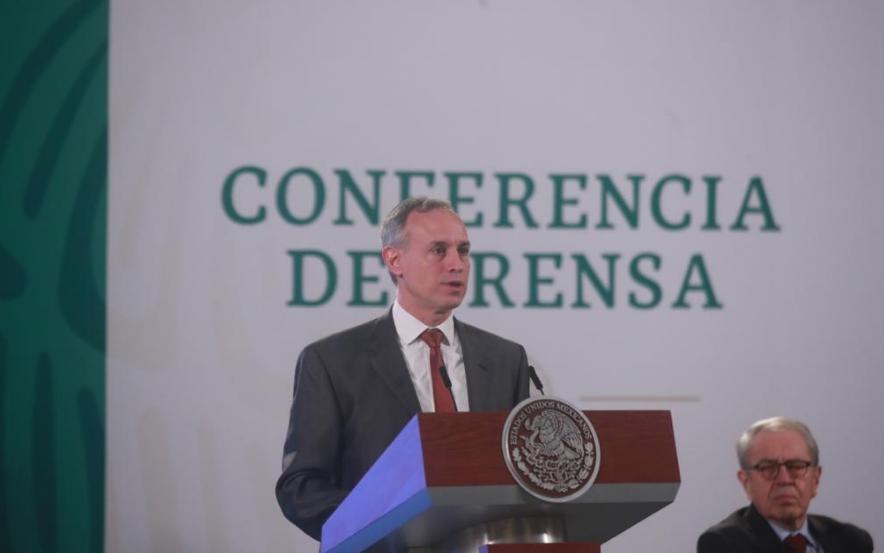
(746, 531)
(352, 396)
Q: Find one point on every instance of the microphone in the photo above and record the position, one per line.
(447, 381)
(532, 374)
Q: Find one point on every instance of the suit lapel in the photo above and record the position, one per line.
(767, 538)
(818, 530)
(386, 358)
(475, 366)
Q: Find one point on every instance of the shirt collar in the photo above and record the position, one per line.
(782, 533)
(410, 327)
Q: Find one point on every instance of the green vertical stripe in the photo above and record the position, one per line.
(53, 30)
(53, 226)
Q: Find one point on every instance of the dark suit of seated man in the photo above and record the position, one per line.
(355, 390)
(780, 472)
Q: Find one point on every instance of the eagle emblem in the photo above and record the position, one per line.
(551, 449)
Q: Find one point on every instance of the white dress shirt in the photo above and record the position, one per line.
(417, 358)
(812, 545)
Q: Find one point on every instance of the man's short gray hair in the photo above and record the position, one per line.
(393, 228)
(775, 424)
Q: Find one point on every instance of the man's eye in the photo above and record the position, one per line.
(463, 251)
(439, 250)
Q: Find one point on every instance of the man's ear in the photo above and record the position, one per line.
(743, 477)
(815, 479)
(392, 256)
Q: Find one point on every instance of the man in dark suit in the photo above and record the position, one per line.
(355, 390)
(780, 473)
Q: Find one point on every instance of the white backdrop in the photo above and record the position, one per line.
(202, 341)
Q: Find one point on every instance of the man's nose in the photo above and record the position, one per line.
(454, 261)
(783, 475)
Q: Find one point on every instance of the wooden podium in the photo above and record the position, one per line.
(443, 486)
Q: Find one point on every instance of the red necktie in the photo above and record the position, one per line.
(796, 543)
(441, 395)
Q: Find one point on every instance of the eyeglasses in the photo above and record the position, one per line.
(771, 469)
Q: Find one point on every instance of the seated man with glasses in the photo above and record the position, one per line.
(780, 472)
